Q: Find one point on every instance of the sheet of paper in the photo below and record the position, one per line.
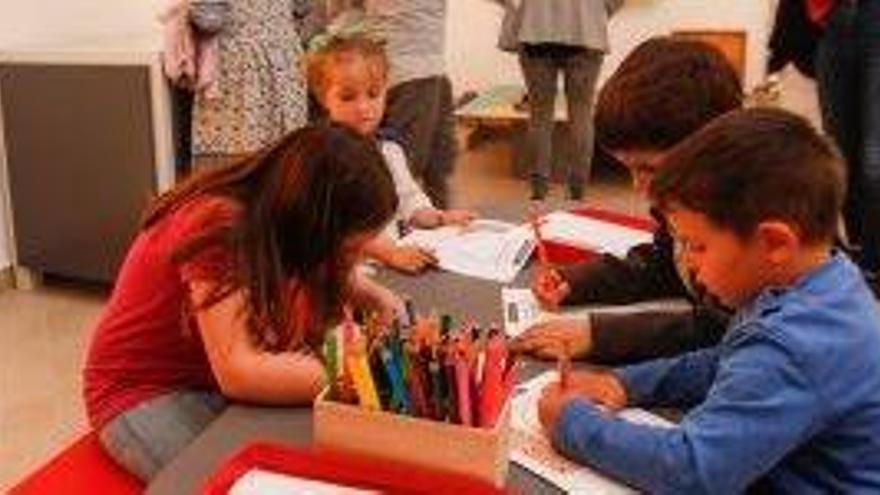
(487, 249)
(262, 482)
(521, 309)
(531, 449)
(591, 234)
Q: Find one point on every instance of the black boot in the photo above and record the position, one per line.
(539, 187)
(576, 191)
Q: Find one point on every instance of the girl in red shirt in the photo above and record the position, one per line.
(228, 288)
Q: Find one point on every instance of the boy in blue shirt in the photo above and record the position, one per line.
(790, 399)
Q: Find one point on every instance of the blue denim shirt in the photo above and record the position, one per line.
(790, 397)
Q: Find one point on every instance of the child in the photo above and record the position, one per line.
(348, 75)
(663, 91)
(789, 400)
(228, 288)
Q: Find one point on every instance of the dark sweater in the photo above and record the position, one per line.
(647, 272)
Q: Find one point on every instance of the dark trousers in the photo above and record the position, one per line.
(580, 70)
(848, 76)
(421, 113)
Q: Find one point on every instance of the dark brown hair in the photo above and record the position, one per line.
(299, 200)
(663, 91)
(336, 50)
(749, 166)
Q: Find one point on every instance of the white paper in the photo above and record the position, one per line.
(531, 449)
(521, 309)
(591, 234)
(487, 249)
(262, 482)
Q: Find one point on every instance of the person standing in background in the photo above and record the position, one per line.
(848, 77)
(562, 36)
(259, 94)
(420, 106)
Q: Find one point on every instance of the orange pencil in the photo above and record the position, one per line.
(563, 367)
(535, 222)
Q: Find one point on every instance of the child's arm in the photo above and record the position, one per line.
(370, 294)
(243, 371)
(760, 407)
(554, 338)
(647, 272)
(429, 218)
(408, 259)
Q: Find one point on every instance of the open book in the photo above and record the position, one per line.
(487, 249)
(531, 449)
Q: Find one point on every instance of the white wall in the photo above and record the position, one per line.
(474, 62)
(47, 21)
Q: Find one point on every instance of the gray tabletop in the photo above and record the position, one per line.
(459, 296)
(239, 424)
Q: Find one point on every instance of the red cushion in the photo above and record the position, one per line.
(80, 468)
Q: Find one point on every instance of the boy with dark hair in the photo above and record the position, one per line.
(789, 400)
(663, 91)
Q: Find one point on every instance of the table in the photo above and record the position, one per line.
(445, 292)
(240, 424)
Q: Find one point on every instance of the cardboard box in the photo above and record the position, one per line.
(479, 452)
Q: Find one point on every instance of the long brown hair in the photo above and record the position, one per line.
(299, 200)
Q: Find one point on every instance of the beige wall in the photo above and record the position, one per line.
(474, 61)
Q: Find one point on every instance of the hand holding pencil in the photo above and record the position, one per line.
(548, 285)
(600, 387)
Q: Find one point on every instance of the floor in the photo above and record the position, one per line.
(44, 332)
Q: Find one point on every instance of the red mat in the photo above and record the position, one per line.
(82, 467)
(561, 254)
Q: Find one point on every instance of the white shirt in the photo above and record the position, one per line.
(409, 193)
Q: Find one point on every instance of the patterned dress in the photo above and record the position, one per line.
(261, 88)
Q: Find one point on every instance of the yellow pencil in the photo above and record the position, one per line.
(361, 375)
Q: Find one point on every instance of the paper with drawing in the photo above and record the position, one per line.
(531, 448)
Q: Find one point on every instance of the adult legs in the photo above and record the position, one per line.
(540, 74)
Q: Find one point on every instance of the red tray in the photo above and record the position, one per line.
(343, 469)
(563, 254)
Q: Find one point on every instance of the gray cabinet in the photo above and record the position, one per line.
(86, 146)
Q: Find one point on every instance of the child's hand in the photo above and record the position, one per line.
(387, 304)
(601, 387)
(552, 339)
(553, 400)
(549, 287)
(411, 259)
(457, 217)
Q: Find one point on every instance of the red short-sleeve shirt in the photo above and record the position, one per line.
(142, 347)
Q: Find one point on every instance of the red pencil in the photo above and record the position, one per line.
(563, 367)
(535, 222)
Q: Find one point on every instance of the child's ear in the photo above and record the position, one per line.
(778, 240)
